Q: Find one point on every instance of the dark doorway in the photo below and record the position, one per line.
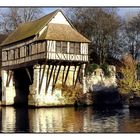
(23, 78)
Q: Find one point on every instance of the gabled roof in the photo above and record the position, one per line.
(53, 31)
(28, 29)
(62, 32)
(2, 37)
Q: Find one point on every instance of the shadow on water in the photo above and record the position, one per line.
(69, 120)
(22, 120)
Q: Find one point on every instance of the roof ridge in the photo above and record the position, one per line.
(38, 18)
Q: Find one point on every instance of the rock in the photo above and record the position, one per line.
(107, 96)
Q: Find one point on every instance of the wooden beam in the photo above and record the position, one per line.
(49, 78)
(39, 73)
(67, 74)
(7, 79)
(9, 76)
(29, 75)
(78, 75)
(42, 76)
(63, 74)
(57, 74)
(74, 74)
(54, 73)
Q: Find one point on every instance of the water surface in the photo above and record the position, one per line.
(68, 120)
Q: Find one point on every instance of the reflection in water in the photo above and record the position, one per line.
(55, 120)
(8, 119)
(51, 120)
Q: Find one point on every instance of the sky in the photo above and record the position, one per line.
(122, 11)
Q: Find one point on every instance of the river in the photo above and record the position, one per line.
(68, 120)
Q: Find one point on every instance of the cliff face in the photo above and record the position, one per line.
(100, 89)
(98, 81)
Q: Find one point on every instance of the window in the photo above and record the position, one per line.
(27, 50)
(22, 52)
(61, 47)
(17, 53)
(74, 48)
(77, 48)
(11, 54)
(58, 47)
(4, 56)
(30, 49)
(64, 47)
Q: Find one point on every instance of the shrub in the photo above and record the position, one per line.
(71, 93)
(90, 68)
(105, 68)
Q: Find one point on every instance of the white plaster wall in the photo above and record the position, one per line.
(59, 18)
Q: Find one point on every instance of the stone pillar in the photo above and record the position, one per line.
(34, 88)
(8, 88)
(83, 78)
(44, 94)
(88, 96)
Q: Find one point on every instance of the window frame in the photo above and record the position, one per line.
(74, 48)
(63, 47)
(58, 46)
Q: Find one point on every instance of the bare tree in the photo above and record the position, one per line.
(10, 18)
(101, 26)
(133, 36)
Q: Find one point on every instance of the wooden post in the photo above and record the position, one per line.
(49, 78)
(42, 76)
(67, 74)
(74, 74)
(77, 75)
(9, 76)
(63, 74)
(28, 73)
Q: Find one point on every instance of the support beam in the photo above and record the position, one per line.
(54, 74)
(42, 76)
(67, 74)
(29, 75)
(74, 75)
(9, 76)
(77, 75)
(49, 78)
(57, 74)
(63, 75)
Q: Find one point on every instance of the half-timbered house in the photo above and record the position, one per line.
(40, 55)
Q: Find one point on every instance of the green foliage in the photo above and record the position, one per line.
(90, 68)
(129, 85)
(126, 84)
(71, 92)
(105, 68)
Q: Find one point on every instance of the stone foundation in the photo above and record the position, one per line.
(8, 88)
(53, 85)
(43, 95)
